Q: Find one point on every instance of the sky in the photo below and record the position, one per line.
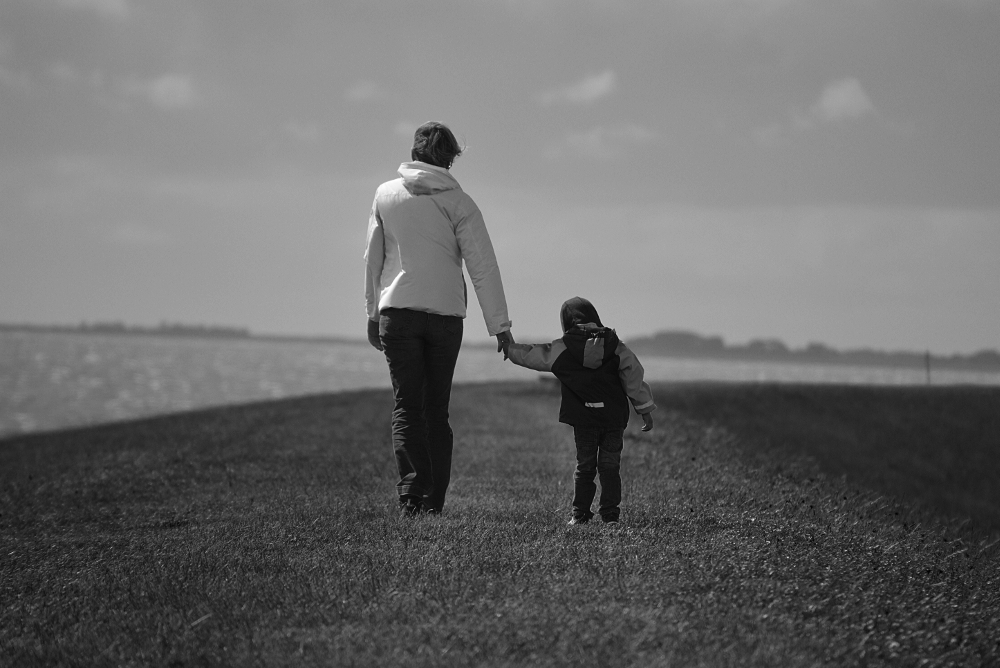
(808, 170)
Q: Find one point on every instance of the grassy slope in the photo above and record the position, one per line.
(266, 535)
(937, 448)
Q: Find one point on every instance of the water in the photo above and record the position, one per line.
(54, 380)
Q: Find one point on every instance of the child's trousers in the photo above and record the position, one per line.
(598, 453)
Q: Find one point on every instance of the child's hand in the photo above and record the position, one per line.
(647, 421)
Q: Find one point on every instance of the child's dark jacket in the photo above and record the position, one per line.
(599, 375)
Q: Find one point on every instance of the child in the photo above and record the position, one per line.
(599, 377)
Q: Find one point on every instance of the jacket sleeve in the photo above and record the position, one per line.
(481, 262)
(374, 259)
(537, 356)
(631, 374)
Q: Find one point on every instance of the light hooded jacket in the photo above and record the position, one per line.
(598, 373)
(421, 227)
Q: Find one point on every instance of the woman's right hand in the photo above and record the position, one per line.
(373, 337)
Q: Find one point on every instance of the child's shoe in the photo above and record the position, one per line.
(578, 520)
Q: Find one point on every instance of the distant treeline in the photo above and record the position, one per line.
(676, 343)
(115, 327)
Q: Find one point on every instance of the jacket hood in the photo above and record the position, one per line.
(578, 311)
(581, 321)
(420, 178)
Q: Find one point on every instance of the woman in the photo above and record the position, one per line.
(422, 227)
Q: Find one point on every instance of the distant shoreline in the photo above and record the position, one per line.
(670, 344)
(849, 359)
(690, 345)
(180, 331)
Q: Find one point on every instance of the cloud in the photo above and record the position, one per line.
(842, 100)
(586, 91)
(172, 91)
(365, 91)
(118, 9)
(169, 92)
(603, 141)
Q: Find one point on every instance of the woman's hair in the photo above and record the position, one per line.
(435, 144)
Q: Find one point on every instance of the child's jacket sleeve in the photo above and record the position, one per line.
(537, 356)
(631, 374)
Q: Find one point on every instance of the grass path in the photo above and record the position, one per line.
(267, 535)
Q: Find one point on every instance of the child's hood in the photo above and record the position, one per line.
(419, 178)
(578, 311)
(584, 333)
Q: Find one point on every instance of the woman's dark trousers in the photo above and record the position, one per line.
(421, 349)
(598, 453)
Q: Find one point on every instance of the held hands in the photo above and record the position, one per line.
(647, 422)
(504, 339)
(373, 337)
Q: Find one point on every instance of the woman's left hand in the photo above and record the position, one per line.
(373, 337)
(504, 339)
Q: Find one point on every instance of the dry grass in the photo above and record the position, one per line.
(267, 535)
